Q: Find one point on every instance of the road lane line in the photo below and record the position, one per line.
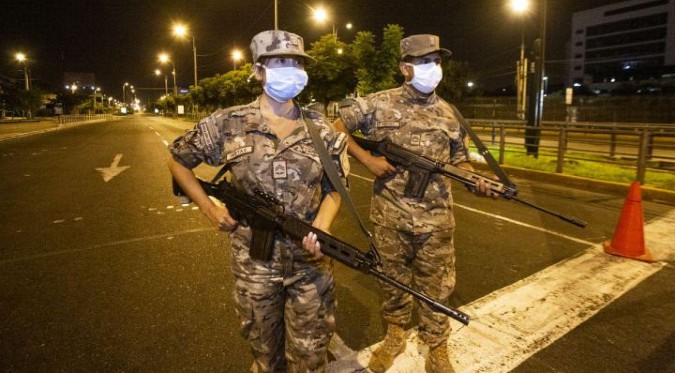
(512, 324)
(516, 222)
(109, 244)
(534, 227)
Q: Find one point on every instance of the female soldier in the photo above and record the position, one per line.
(286, 305)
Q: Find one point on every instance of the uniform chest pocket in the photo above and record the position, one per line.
(430, 143)
(388, 118)
(301, 162)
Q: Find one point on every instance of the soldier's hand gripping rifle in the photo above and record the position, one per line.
(421, 167)
(265, 216)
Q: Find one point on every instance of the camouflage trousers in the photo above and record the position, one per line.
(286, 306)
(425, 262)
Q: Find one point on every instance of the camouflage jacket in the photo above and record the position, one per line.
(288, 169)
(425, 125)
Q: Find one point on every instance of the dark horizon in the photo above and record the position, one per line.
(119, 42)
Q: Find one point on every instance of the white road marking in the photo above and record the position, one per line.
(166, 143)
(107, 244)
(113, 170)
(516, 222)
(513, 323)
(505, 219)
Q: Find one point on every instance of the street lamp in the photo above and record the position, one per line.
(166, 85)
(24, 60)
(521, 7)
(182, 31)
(124, 94)
(320, 15)
(164, 58)
(236, 57)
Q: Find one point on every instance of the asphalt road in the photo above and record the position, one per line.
(116, 276)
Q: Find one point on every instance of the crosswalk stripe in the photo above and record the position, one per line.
(511, 324)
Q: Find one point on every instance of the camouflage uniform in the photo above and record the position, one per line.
(286, 305)
(413, 235)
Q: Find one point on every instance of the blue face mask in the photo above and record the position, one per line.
(427, 76)
(284, 83)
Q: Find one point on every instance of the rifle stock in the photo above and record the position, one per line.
(417, 164)
(262, 210)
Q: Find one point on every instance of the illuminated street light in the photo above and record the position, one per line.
(521, 7)
(182, 31)
(164, 58)
(21, 58)
(124, 94)
(321, 16)
(236, 57)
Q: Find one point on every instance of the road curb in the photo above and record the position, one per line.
(619, 189)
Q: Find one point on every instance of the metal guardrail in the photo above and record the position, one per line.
(641, 146)
(64, 119)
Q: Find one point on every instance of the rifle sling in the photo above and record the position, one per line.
(333, 176)
(482, 149)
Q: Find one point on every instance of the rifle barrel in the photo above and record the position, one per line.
(569, 219)
(436, 306)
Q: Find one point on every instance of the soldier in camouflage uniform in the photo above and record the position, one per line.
(415, 236)
(286, 305)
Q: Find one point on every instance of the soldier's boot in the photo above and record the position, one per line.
(392, 346)
(438, 360)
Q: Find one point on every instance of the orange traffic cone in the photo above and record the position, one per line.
(629, 237)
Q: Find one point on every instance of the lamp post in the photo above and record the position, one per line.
(24, 60)
(124, 93)
(166, 85)
(521, 7)
(164, 58)
(182, 31)
(236, 57)
(320, 15)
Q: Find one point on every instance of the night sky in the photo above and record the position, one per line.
(119, 40)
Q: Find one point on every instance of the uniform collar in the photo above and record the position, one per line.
(416, 97)
(256, 122)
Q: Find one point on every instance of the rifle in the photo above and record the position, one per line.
(265, 216)
(421, 167)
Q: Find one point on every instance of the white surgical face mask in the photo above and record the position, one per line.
(284, 83)
(427, 76)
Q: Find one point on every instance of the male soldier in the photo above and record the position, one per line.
(413, 235)
(286, 305)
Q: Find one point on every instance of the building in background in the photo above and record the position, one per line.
(81, 80)
(627, 43)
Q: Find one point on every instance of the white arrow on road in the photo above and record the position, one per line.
(112, 171)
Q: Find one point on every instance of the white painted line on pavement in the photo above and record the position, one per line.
(105, 245)
(505, 219)
(516, 222)
(166, 143)
(512, 324)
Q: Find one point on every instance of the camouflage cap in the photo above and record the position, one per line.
(277, 42)
(420, 45)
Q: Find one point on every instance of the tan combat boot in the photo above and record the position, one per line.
(392, 346)
(438, 360)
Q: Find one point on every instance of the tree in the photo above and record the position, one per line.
(225, 90)
(331, 77)
(456, 76)
(377, 69)
(29, 101)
